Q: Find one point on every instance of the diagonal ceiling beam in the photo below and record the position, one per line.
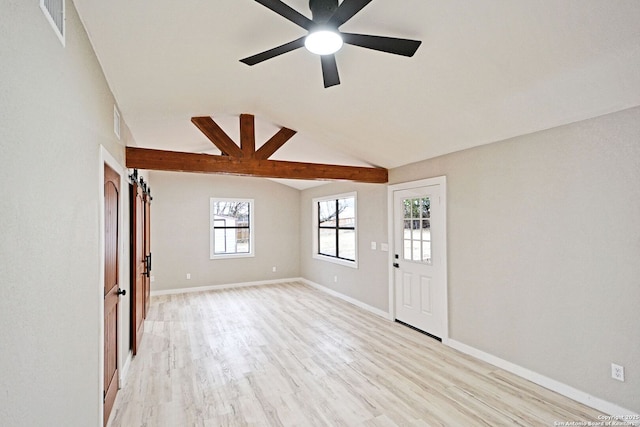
(144, 158)
(218, 136)
(274, 143)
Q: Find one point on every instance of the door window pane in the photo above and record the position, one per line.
(417, 229)
(426, 241)
(415, 253)
(407, 250)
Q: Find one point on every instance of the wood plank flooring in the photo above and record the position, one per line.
(290, 355)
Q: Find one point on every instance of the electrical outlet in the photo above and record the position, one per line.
(274, 269)
(153, 279)
(617, 372)
(373, 246)
(188, 276)
(335, 279)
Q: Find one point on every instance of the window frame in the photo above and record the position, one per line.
(315, 206)
(251, 228)
(420, 219)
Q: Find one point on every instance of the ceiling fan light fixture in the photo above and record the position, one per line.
(323, 42)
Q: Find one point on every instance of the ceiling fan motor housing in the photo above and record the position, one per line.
(322, 10)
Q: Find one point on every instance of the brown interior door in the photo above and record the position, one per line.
(138, 266)
(147, 253)
(111, 288)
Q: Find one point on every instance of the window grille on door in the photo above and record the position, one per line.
(417, 230)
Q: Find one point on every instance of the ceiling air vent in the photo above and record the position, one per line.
(54, 11)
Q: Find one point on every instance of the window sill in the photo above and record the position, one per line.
(345, 263)
(230, 256)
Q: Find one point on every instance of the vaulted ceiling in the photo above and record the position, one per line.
(487, 70)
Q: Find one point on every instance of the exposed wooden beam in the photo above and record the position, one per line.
(144, 158)
(247, 135)
(218, 136)
(274, 143)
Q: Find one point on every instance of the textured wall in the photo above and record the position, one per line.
(544, 251)
(368, 283)
(55, 112)
(180, 230)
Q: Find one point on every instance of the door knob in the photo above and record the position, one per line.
(122, 292)
(396, 265)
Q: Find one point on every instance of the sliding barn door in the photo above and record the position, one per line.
(147, 253)
(140, 258)
(138, 266)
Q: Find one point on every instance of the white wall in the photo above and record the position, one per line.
(180, 230)
(544, 251)
(55, 112)
(369, 282)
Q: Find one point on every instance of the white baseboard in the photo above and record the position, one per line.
(125, 368)
(346, 298)
(218, 287)
(546, 382)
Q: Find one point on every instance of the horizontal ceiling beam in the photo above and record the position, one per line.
(144, 158)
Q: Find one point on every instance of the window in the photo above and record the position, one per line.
(417, 230)
(335, 231)
(231, 228)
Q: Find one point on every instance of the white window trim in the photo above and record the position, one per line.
(252, 229)
(314, 219)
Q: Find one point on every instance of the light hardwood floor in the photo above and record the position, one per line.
(290, 355)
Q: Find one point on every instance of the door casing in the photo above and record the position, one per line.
(391, 189)
(105, 157)
(111, 288)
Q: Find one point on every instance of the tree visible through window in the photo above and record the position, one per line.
(231, 227)
(417, 229)
(337, 228)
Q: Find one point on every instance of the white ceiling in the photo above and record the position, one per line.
(486, 71)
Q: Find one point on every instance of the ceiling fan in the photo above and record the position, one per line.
(325, 39)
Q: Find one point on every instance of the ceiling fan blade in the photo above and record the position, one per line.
(393, 45)
(346, 11)
(287, 12)
(272, 53)
(329, 70)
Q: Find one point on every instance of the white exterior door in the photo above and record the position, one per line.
(419, 258)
